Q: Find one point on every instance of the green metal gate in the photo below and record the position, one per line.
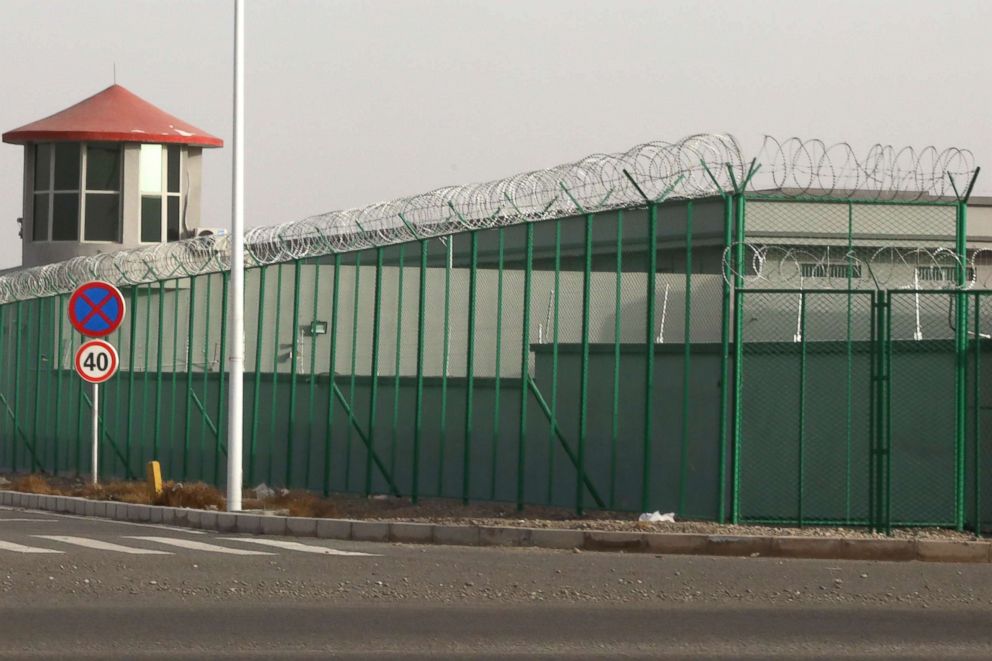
(867, 409)
(804, 428)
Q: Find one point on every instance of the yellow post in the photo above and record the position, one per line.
(153, 475)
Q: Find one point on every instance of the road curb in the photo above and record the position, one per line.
(820, 548)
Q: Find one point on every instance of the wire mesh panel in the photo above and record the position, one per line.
(978, 437)
(805, 432)
(581, 361)
(923, 442)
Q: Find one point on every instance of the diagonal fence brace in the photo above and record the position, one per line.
(365, 439)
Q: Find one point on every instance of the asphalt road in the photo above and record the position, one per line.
(91, 588)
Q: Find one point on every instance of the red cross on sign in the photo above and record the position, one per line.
(96, 309)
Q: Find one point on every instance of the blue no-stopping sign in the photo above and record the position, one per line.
(96, 308)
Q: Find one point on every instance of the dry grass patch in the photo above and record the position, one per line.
(196, 495)
(32, 484)
(302, 503)
(119, 490)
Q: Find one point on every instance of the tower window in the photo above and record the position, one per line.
(102, 210)
(77, 190)
(161, 193)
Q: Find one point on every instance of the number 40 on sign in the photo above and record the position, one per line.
(96, 361)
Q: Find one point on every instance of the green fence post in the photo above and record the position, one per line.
(617, 332)
(274, 410)
(652, 267)
(976, 417)
(132, 335)
(740, 204)
(802, 404)
(874, 410)
(220, 447)
(584, 382)
(47, 398)
(725, 386)
(419, 412)
(961, 337)
(850, 364)
(118, 384)
(351, 385)
(3, 371)
(144, 374)
(524, 366)
(331, 370)
(686, 361)
(191, 317)
(17, 383)
(554, 364)
(311, 395)
(739, 237)
(397, 358)
(157, 432)
(443, 435)
(888, 413)
(257, 377)
(374, 369)
(79, 421)
(293, 365)
(36, 410)
(580, 466)
(57, 364)
(879, 495)
(470, 365)
(175, 367)
(204, 419)
(5, 359)
(498, 358)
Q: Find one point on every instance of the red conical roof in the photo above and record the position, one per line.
(113, 115)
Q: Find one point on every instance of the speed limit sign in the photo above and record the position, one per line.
(96, 361)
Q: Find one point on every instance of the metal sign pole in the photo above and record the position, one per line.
(236, 401)
(95, 458)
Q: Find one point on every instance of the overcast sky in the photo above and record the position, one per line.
(352, 102)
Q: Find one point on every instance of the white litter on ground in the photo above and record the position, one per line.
(657, 517)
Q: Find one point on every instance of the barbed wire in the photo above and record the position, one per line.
(811, 167)
(702, 165)
(886, 267)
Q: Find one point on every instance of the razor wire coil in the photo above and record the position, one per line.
(886, 267)
(702, 165)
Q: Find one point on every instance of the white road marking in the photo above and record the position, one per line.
(100, 545)
(101, 519)
(26, 520)
(295, 546)
(20, 548)
(198, 546)
(152, 525)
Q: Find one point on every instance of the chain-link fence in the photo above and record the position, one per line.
(805, 434)
(531, 363)
(780, 358)
(854, 398)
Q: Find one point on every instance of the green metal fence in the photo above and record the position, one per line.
(744, 357)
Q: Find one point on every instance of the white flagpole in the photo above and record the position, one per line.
(236, 392)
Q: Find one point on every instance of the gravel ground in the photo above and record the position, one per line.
(448, 511)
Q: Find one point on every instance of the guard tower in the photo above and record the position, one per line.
(111, 172)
